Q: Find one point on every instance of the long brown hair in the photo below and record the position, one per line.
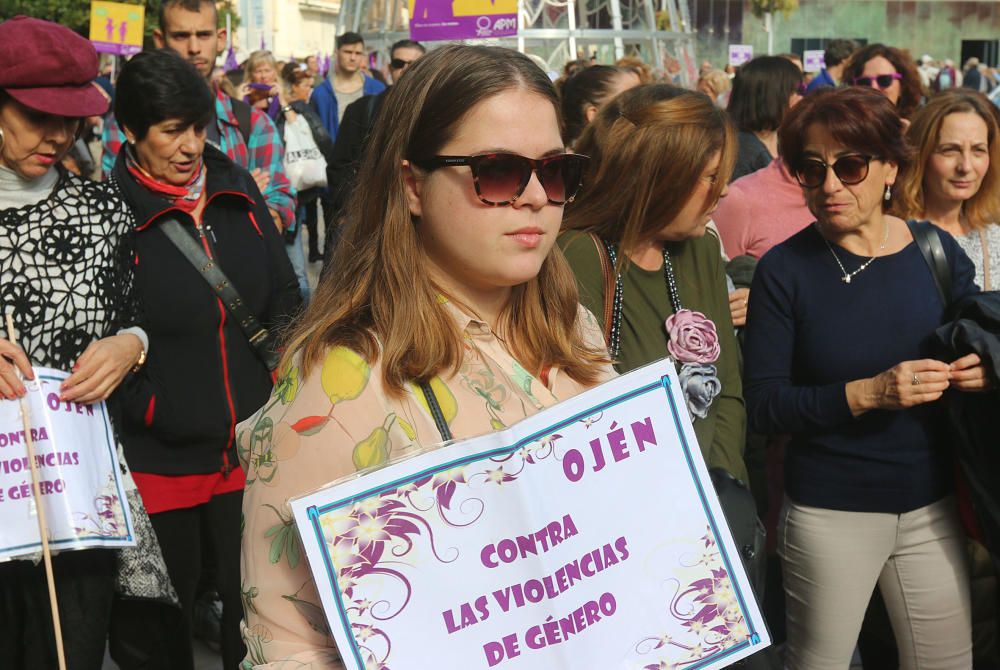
(925, 129)
(378, 298)
(648, 148)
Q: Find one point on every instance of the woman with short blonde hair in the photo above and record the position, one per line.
(716, 84)
(261, 87)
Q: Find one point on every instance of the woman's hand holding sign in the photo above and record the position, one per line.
(101, 368)
(12, 360)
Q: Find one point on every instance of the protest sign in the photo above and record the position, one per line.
(462, 19)
(740, 54)
(80, 479)
(586, 536)
(116, 27)
(813, 60)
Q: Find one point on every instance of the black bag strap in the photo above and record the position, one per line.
(370, 121)
(435, 407)
(928, 240)
(259, 338)
(243, 113)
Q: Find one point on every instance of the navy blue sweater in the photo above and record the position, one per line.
(808, 334)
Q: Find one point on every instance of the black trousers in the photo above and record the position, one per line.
(312, 225)
(147, 635)
(85, 582)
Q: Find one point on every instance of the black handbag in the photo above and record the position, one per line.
(260, 339)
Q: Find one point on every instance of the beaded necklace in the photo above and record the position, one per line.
(616, 320)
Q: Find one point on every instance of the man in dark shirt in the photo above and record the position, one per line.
(352, 138)
(835, 58)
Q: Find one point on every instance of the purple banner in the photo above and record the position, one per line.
(462, 19)
(115, 48)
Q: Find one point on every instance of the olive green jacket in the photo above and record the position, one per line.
(701, 282)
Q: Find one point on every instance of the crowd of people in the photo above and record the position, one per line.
(489, 233)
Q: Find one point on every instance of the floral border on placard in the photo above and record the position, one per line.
(706, 607)
(108, 518)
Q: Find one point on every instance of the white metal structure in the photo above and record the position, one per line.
(560, 30)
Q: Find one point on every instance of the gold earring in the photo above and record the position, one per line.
(3, 138)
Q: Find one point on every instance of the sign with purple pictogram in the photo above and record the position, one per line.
(116, 27)
(813, 60)
(432, 20)
(80, 480)
(586, 536)
(740, 54)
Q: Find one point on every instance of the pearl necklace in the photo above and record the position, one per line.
(849, 275)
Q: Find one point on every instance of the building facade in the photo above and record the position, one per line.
(955, 29)
(288, 28)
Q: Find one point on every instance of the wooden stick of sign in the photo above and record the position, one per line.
(43, 528)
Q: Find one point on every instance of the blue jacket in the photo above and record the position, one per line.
(822, 80)
(324, 102)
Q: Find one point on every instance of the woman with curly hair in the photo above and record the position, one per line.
(890, 71)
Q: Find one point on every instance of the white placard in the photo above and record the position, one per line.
(740, 54)
(813, 60)
(586, 536)
(79, 476)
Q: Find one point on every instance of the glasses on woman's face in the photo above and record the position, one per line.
(883, 81)
(500, 178)
(850, 169)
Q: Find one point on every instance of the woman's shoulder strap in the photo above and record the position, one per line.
(928, 240)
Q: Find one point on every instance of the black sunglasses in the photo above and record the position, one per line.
(500, 178)
(399, 63)
(884, 81)
(851, 169)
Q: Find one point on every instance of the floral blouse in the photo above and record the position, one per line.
(339, 420)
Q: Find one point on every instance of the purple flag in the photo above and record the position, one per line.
(231, 62)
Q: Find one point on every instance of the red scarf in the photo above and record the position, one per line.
(184, 197)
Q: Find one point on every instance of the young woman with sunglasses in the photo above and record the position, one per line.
(837, 355)
(447, 288)
(678, 150)
(955, 181)
(890, 71)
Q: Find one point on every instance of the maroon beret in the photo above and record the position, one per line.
(50, 68)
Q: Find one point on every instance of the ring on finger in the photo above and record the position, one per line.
(916, 379)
